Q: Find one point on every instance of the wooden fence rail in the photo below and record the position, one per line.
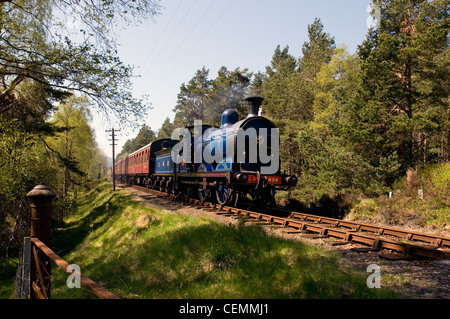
(33, 280)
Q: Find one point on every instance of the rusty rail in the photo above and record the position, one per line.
(352, 236)
(345, 231)
(378, 230)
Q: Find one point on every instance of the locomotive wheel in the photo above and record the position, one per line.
(187, 191)
(203, 194)
(224, 194)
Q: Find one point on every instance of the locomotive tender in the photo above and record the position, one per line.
(238, 159)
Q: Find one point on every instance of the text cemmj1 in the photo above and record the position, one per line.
(228, 308)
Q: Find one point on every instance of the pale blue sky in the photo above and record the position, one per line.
(190, 34)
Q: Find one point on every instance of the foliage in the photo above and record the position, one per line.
(345, 132)
(317, 51)
(290, 88)
(348, 123)
(74, 148)
(191, 99)
(227, 91)
(59, 153)
(53, 52)
(38, 44)
(23, 164)
(402, 101)
(205, 99)
(166, 129)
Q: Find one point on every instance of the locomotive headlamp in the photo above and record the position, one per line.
(241, 177)
(291, 180)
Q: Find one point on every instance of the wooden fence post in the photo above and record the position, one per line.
(41, 227)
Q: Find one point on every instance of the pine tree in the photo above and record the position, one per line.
(317, 51)
(166, 129)
(275, 92)
(228, 91)
(191, 103)
(402, 104)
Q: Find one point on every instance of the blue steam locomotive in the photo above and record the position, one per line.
(238, 160)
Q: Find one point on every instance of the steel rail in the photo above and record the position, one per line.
(346, 231)
(378, 230)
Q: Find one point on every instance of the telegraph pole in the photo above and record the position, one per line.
(113, 139)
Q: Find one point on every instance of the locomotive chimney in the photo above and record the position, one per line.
(254, 103)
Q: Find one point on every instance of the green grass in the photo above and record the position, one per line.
(138, 252)
(406, 208)
(7, 278)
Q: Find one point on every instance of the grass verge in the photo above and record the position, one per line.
(420, 199)
(139, 252)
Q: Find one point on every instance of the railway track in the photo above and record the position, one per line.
(405, 244)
